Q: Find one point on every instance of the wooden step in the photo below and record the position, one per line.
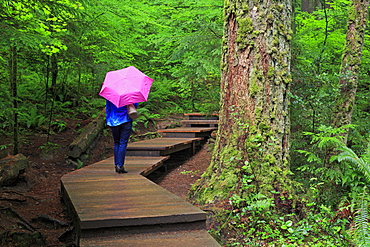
(134, 164)
(189, 132)
(195, 238)
(98, 197)
(162, 146)
(197, 116)
(200, 123)
(141, 165)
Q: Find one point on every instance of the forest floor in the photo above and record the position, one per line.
(36, 196)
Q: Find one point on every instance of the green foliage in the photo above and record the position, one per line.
(79, 164)
(361, 233)
(178, 44)
(325, 177)
(49, 147)
(363, 164)
(144, 116)
(317, 49)
(59, 125)
(191, 173)
(5, 111)
(251, 221)
(360, 199)
(31, 117)
(331, 178)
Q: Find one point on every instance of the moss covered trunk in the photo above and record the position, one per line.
(351, 62)
(253, 136)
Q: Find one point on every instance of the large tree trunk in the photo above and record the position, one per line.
(253, 136)
(351, 62)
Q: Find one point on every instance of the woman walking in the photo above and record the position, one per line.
(120, 123)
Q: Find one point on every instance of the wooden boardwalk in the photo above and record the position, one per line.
(161, 146)
(187, 132)
(111, 209)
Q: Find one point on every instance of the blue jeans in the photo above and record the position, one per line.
(121, 135)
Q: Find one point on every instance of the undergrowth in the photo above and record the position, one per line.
(253, 219)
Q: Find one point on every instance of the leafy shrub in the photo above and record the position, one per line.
(31, 117)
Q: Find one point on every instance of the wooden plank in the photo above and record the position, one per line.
(187, 132)
(159, 143)
(143, 165)
(100, 198)
(149, 153)
(200, 121)
(182, 134)
(126, 201)
(159, 239)
(196, 116)
(161, 146)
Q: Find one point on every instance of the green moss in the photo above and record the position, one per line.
(273, 115)
(245, 6)
(269, 17)
(256, 32)
(253, 87)
(288, 79)
(263, 126)
(275, 42)
(245, 27)
(258, 112)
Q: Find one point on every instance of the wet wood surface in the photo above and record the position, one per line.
(111, 209)
(103, 198)
(168, 239)
(187, 132)
(194, 123)
(161, 146)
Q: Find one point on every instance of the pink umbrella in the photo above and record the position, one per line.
(126, 86)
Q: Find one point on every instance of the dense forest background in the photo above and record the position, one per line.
(54, 56)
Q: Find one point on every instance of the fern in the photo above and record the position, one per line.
(361, 232)
(363, 164)
(145, 116)
(31, 117)
(329, 136)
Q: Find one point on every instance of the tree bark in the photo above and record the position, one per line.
(253, 135)
(351, 62)
(310, 5)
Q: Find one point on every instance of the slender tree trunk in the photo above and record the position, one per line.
(351, 62)
(14, 94)
(253, 135)
(47, 72)
(54, 69)
(310, 5)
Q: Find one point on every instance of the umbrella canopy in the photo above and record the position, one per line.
(126, 86)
